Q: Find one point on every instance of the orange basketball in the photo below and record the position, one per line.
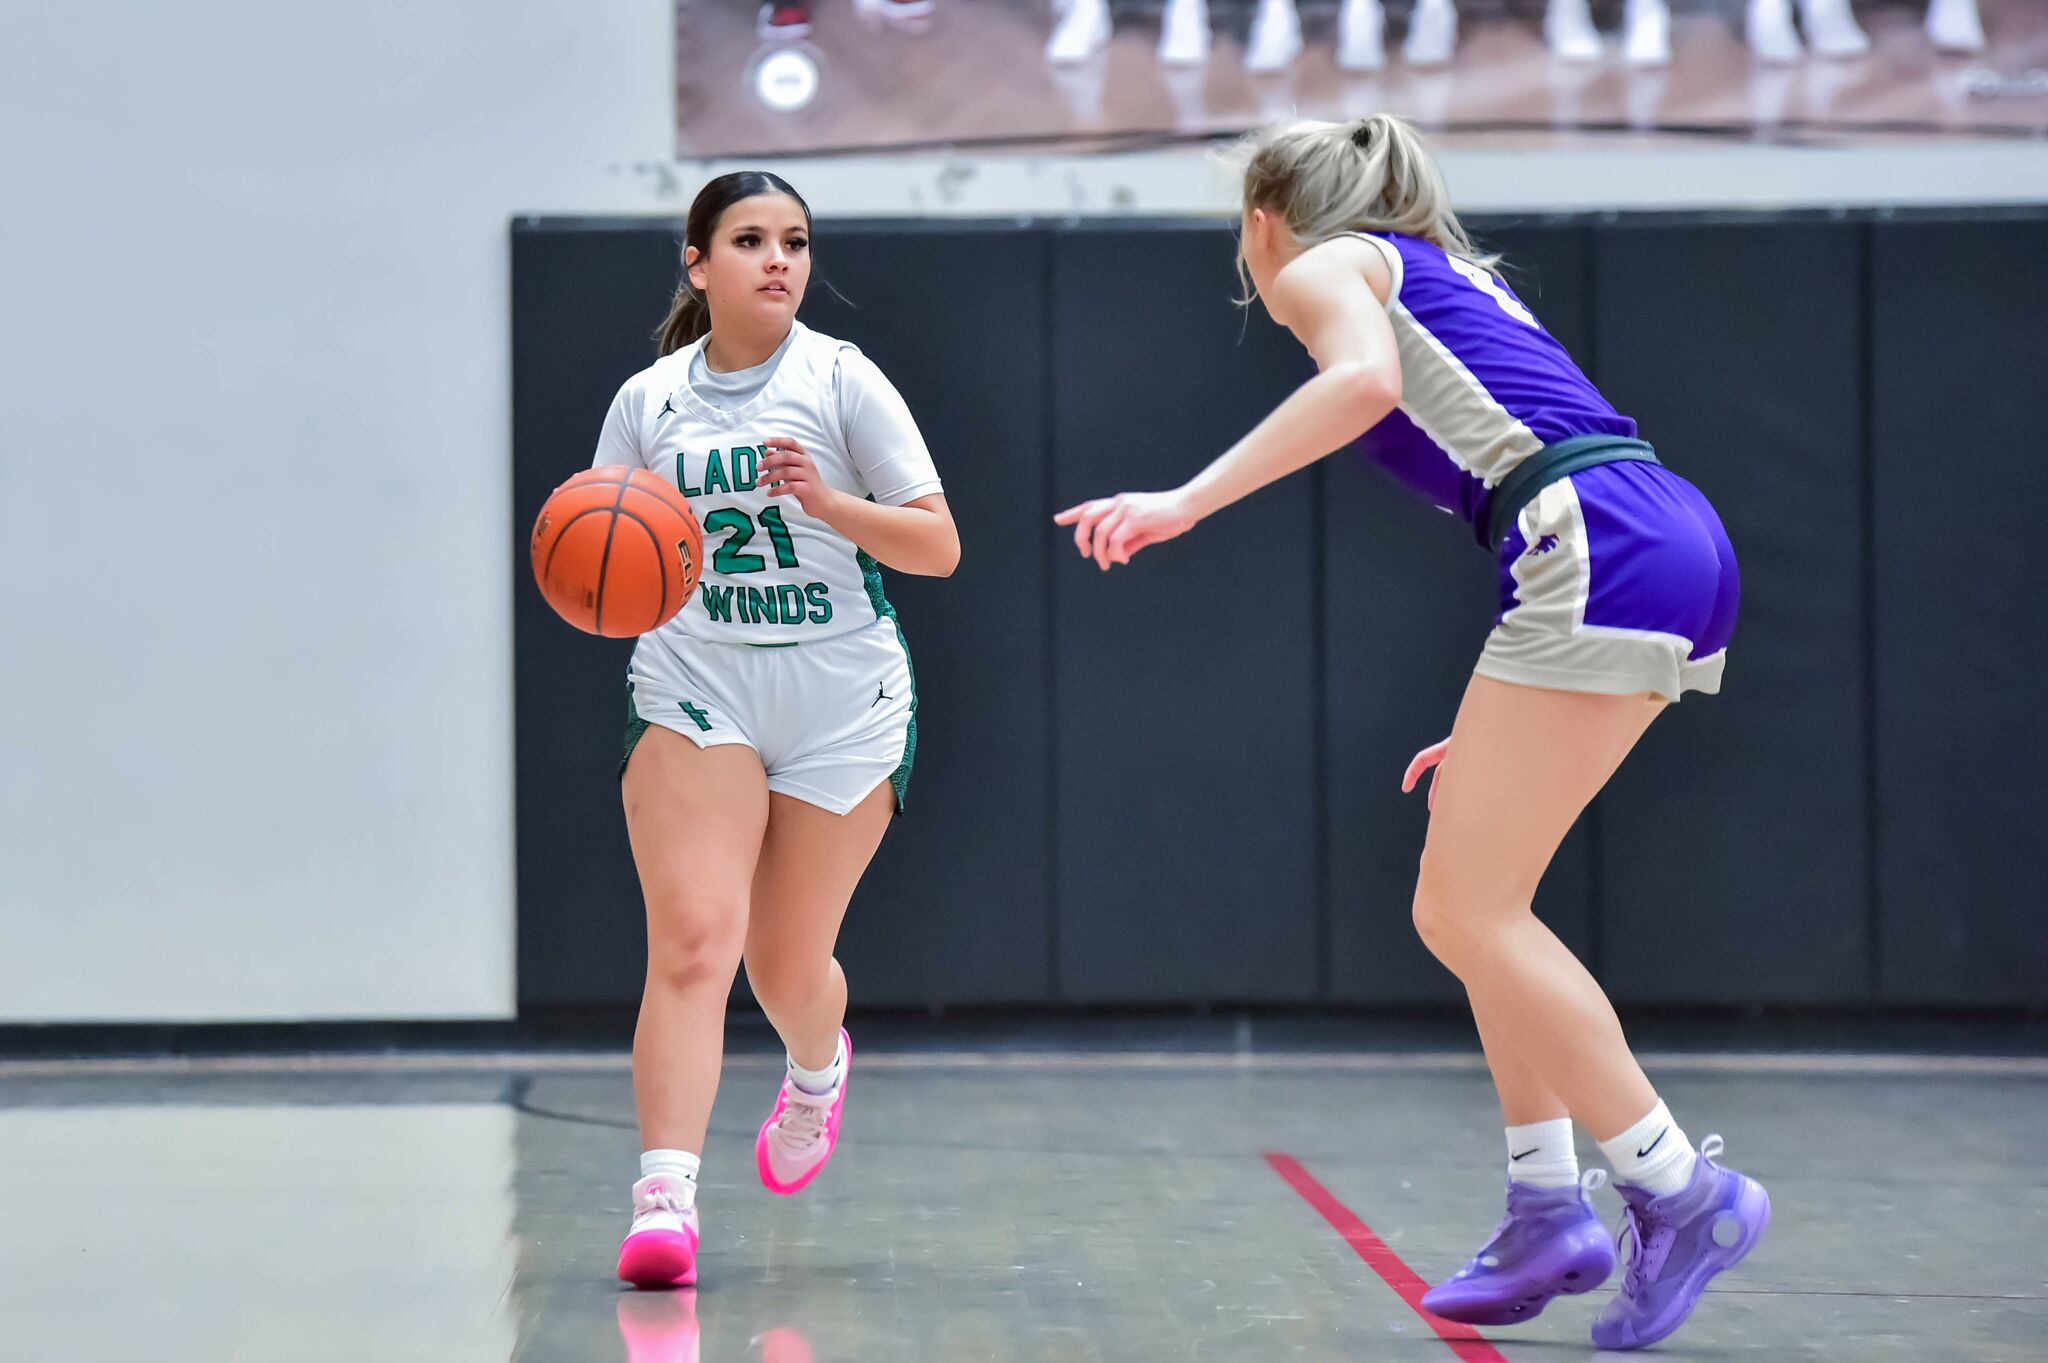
(617, 552)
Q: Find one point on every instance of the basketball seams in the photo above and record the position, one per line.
(672, 501)
(617, 513)
(604, 562)
(626, 480)
(555, 542)
(660, 558)
(686, 521)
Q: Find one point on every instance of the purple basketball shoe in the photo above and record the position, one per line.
(1550, 1243)
(1680, 1242)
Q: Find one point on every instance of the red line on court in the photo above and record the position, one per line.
(1466, 1342)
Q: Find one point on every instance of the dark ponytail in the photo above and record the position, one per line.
(689, 317)
(689, 312)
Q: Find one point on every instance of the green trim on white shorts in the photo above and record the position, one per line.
(871, 574)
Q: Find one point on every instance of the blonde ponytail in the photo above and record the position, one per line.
(1372, 174)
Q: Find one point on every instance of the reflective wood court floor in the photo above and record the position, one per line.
(1052, 1204)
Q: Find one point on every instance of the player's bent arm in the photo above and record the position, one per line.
(1333, 311)
(917, 537)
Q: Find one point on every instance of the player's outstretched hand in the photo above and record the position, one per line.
(1432, 756)
(786, 471)
(1111, 529)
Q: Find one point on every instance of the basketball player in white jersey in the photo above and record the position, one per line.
(771, 724)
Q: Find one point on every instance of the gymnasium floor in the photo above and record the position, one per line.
(1131, 1199)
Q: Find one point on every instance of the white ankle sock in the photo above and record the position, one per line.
(679, 1165)
(1652, 1154)
(1540, 1154)
(820, 1081)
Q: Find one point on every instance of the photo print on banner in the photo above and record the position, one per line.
(818, 76)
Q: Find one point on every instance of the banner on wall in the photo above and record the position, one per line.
(812, 76)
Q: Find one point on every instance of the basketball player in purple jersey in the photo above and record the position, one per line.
(1618, 595)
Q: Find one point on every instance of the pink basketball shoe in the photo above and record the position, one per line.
(802, 1131)
(661, 1248)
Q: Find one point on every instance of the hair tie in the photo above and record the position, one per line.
(1361, 136)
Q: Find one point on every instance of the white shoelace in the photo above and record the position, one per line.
(658, 1201)
(802, 1123)
(661, 1200)
(1628, 1233)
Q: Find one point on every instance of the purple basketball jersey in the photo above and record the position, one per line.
(1483, 385)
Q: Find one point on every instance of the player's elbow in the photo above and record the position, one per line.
(1368, 389)
(938, 556)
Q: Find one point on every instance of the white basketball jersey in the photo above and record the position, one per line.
(772, 575)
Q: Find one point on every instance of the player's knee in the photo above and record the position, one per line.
(785, 983)
(1461, 916)
(1435, 925)
(1442, 919)
(696, 944)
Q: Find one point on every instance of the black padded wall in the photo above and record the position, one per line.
(1959, 369)
(957, 907)
(1177, 782)
(1185, 833)
(583, 305)
(1734, 841)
